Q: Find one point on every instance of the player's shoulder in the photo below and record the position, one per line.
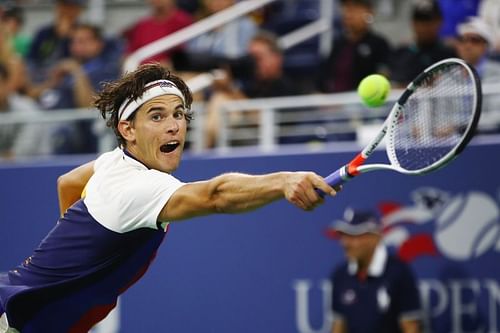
(108, 158)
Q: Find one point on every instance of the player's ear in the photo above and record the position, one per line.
(126, 129)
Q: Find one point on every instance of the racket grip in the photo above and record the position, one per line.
(335, 179)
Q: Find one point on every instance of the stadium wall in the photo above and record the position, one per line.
(267, 271)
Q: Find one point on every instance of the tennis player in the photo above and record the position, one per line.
(105, 242)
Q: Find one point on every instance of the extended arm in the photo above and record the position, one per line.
(234, 192)
(71, 184)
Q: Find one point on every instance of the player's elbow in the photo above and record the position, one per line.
(63, 181)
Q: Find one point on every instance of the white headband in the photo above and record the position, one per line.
(151, 90)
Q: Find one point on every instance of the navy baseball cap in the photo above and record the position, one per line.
(357, 223)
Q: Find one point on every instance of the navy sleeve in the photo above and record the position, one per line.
(409, 300)
(336, 303)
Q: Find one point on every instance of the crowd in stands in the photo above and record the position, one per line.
(63, 64)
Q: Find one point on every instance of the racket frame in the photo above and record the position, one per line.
(356, 165)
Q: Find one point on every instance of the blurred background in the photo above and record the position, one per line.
(274, 84)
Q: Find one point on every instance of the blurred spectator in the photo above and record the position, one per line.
(454, 13)
(475, 39)
(409, 60)
(14, 64)
(374, 291)
(230, 40)
(165, 19)
(11, 143)
(266, 79)
(12, 21)
(51, 43)
(190, 6)
(489, 10)
(474, 43)
(7, 132)
(73, 82)
(357, 51)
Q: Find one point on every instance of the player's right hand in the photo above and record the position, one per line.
(300, 189)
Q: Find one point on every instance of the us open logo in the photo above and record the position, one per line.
(459, 227)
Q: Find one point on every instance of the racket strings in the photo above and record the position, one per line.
(434, 119)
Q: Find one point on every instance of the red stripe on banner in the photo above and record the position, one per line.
(416, 246)
(389, 207)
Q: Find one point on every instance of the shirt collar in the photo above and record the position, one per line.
(377, 264)
(127, 156)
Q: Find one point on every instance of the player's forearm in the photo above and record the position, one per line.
(228, 193)
(235, 192)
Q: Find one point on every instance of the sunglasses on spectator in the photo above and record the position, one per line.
(472, 39)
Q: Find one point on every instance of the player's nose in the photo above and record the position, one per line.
(171, 125)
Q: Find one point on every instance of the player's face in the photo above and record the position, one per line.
(157, 134)
(360, 247)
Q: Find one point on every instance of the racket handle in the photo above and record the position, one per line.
(335, 179)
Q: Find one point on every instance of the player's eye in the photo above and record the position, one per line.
(179, 114)
(156, 117)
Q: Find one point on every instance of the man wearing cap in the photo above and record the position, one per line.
(373, 292)
(475, 40)
(410, 60)
(104, 242)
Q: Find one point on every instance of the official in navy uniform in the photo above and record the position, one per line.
(372, 291)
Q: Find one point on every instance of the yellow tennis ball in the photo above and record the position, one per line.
(373, 90)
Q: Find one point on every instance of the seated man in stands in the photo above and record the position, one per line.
(262, 77)
(51, 42)
(230, 40)
(74, 81)
(357, 51)
(165, 18)
(409, 60)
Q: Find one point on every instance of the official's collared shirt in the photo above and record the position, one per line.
(378, 302)
(101, 246)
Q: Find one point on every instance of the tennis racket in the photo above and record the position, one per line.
(429, 125)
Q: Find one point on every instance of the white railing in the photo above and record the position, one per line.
(294, 116)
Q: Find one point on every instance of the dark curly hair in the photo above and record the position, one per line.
(131, 85)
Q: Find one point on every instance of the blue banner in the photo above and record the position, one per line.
(268, 270)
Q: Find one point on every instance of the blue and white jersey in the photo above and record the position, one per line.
(101, 246)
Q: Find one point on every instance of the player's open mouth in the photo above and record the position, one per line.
(169, 147)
